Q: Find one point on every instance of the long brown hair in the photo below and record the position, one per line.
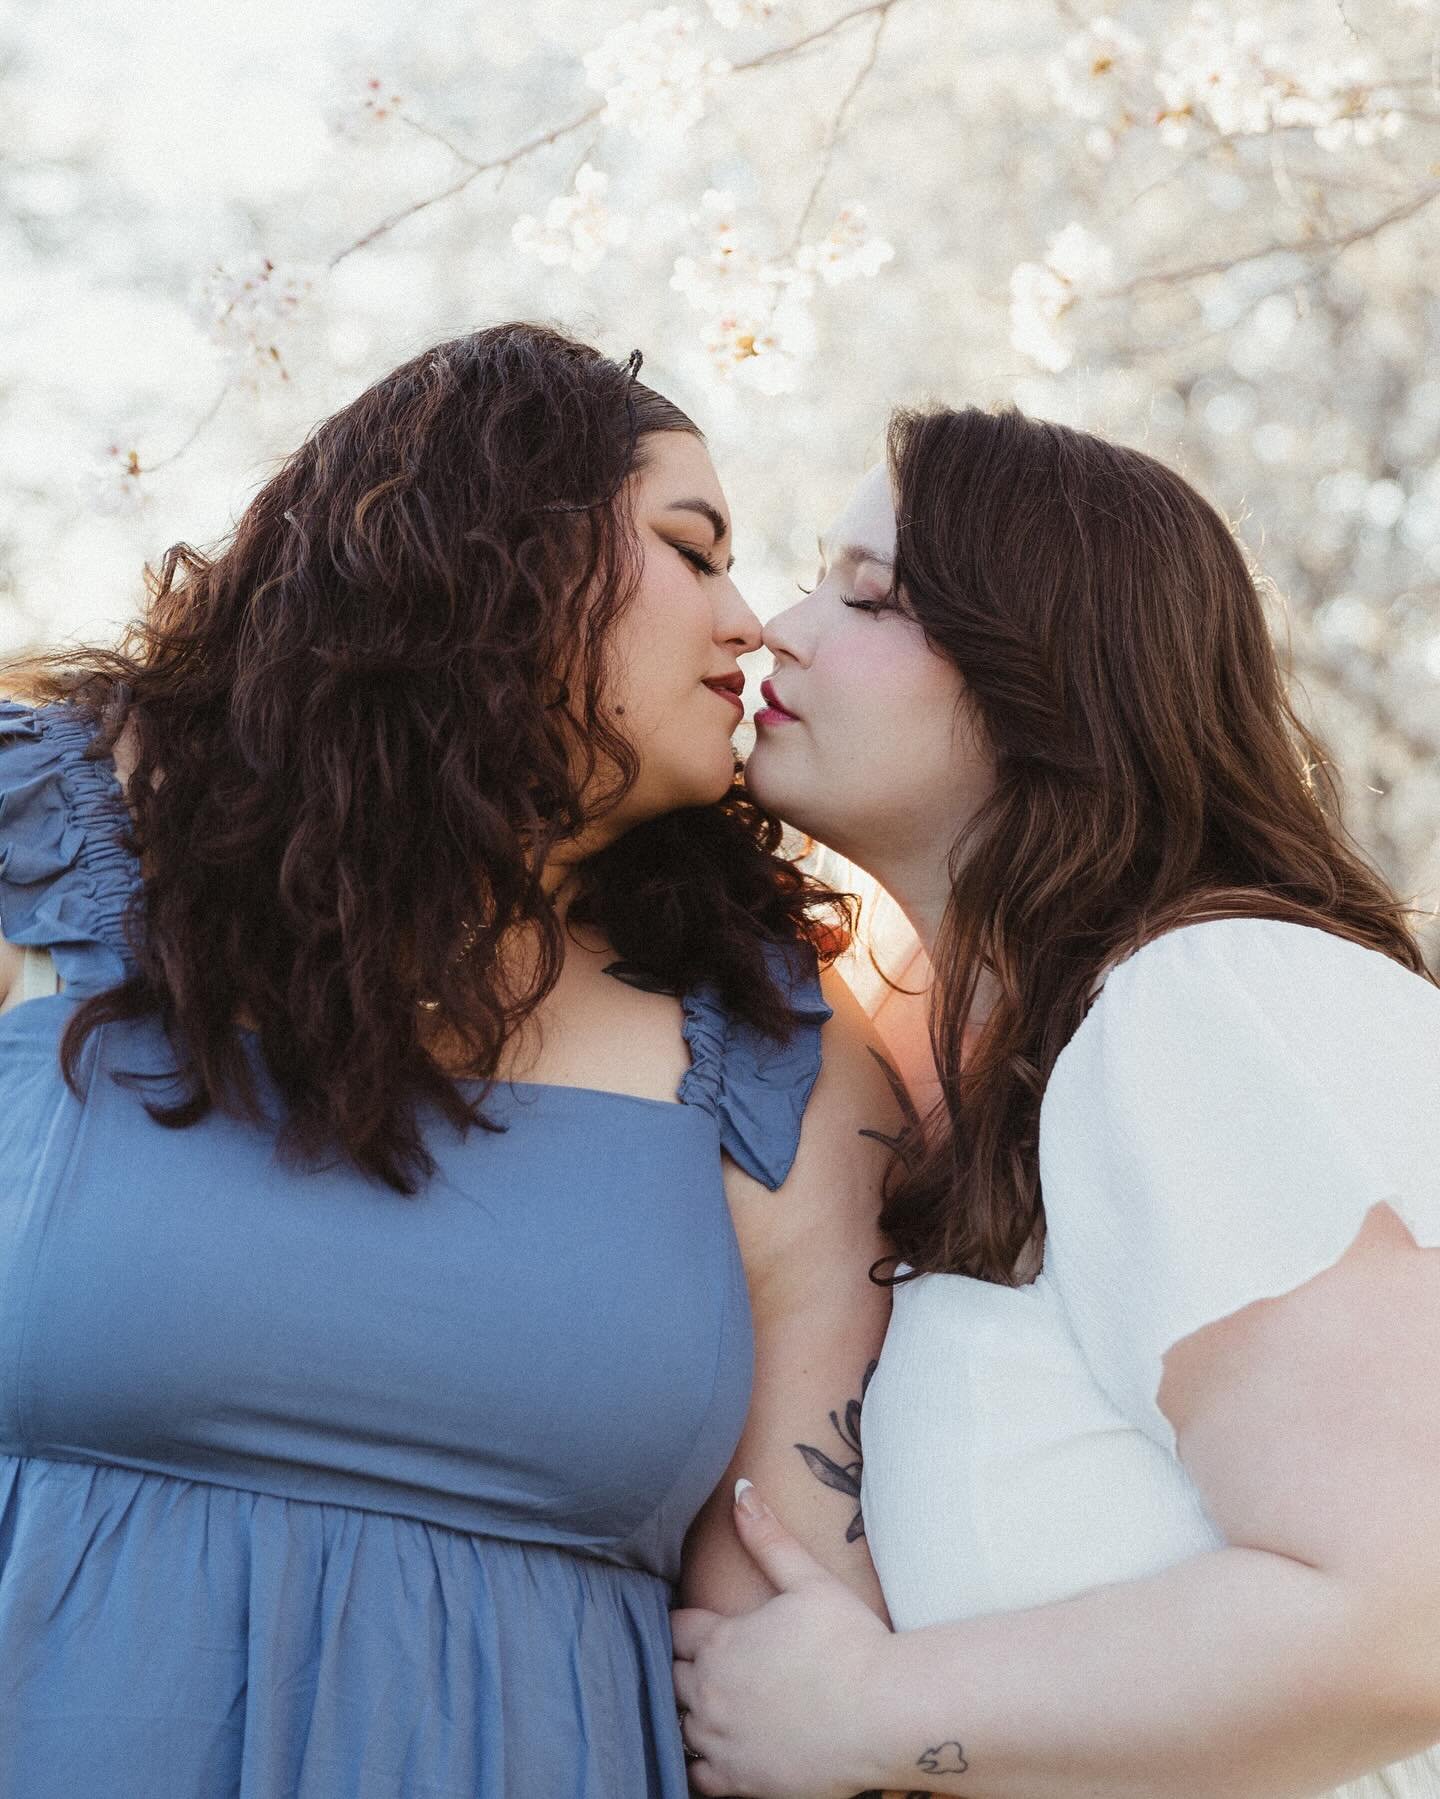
(1149, 772)
(361, 726)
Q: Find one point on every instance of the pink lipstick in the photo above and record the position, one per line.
(773, 713)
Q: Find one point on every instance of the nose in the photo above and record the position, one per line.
(783, 634)
(736, 626)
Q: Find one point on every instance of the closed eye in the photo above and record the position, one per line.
(873, 607)
(698, 560)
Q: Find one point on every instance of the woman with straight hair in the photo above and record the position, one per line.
(1151, 1452)
(407, 1124)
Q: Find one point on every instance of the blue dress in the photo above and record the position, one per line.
(309, 1490)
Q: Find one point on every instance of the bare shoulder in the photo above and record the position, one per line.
(855, 1072)
(828, 1208)
(12, 959)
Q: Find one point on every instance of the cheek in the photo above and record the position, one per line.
(658, 646)
(879, 683)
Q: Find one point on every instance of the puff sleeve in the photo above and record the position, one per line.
(1241, 1095)
(67, 878)
(754, 1085)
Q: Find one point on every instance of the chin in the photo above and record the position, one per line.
(787, 799)
(694, 786)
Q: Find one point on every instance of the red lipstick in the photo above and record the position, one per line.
(729, 687)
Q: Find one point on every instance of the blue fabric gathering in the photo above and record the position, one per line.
(309, 1490)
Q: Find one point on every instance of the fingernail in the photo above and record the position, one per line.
(748, 1500)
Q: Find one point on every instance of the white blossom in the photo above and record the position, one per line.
(247, 308)
(848, 250)
(734, 13)
(1225, 70)
(115, 487)
(1104, 77)
(758, 324)
(1078, 257)
(1076, 264)
(366, 104)
(765, 345)
(654, 73)
(578, 228)
(726, 266)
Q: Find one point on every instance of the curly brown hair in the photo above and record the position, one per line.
(1150, 772)
(361, 727)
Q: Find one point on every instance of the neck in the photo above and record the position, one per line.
(921, 888)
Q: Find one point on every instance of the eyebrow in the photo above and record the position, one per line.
(706, 511)
(855, 552)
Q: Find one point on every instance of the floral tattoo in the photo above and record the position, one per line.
(844, 1476)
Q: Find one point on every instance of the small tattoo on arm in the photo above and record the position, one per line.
(844, 1477)
(945, 1758)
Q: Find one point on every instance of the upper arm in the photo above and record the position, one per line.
(818, 1319)
(1311, 1421)
(1260, 1150)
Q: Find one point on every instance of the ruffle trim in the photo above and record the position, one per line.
(66, 877)
(757, 1087)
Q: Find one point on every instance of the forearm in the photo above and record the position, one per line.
(1236, 1673)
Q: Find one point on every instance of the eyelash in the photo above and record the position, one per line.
(698, 560)
(873, 607)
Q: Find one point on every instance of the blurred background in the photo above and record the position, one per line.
(1207, 230)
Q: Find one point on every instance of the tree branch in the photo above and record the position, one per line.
(473, 171)
(783, 51)
(837, 122)
(201, 424)
(1304, 247)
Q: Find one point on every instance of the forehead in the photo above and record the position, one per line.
(868, 519)
(677, 465)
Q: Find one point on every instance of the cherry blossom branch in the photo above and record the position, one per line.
(783, 51)
(202, 424)
(473, 171)
(837, 122)
(1303, 247)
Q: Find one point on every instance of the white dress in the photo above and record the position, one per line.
(1239, 1096)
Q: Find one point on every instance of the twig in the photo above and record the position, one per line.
(439, 137)
(206, 419)
(474, 169)
(1304, 247)
(837, 123)
(782, 51)
(472, 172)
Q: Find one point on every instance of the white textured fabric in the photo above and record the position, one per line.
(1240, 1095)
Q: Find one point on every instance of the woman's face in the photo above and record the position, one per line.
(867, 741)
(674, 682)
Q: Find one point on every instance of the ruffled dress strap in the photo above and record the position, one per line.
(67, 878)
(755, 1085)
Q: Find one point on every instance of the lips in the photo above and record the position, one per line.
(774, 713)
(729, 687)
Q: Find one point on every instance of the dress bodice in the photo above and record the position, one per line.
(220, 1362)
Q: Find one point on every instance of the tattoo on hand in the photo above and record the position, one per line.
(844, 1477)
(945, 1758)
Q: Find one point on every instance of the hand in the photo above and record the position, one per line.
(775, 1701)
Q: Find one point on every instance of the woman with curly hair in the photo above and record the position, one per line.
(1151, 1452)
(407, 1124)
